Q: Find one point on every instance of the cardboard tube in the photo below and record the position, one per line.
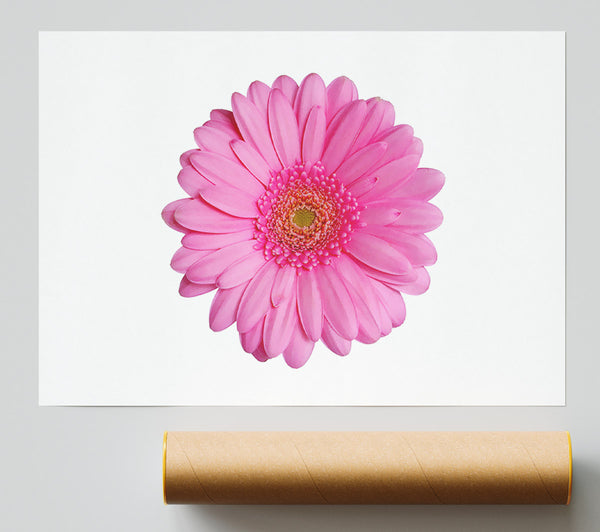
(367, 467)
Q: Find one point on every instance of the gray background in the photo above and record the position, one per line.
(97, 469)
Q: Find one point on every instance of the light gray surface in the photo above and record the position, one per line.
(98, 469)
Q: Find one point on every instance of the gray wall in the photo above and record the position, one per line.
(97, 469)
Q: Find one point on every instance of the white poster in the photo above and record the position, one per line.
(376, 218)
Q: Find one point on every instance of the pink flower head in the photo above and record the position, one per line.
(307, 213)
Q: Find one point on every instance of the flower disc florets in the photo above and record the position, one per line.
(306, 217)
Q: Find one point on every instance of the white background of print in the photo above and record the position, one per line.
(117, 109)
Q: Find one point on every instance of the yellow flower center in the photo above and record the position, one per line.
(303, 218)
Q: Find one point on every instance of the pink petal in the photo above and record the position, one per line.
(353, 274)
(258, 94)
(225, 127)
(311, 93)
(341, 134)
(189, 289)
(391, 175)
(195, 240)
(417, 248)
(241, 271)
(198, 215)
(218, 170)
(415, 148)
(418, 216)
(361, 162)
(184, 258)
(184, 159)
(334, 342)
(378, 110)
(385, 322)
(254, 129)
(168, 214)
(337, 303)
(424, 184)
(223, 115)
(379, 214)
(368, 328)
(213, 140)
(253, 338)
(398, 139)
(231, 200)
(387, 120)
(362, 294)
(190, 181)
(260, 354)
(252, 160)
(388, 278)
(284, 129)
(224, 307)
(340, 92)
(298, 351)
(361, 186)
(419, 285)
(378, 254)
(392, 302)
(279, 325)
(365, 337)
(310, 307)
(314, 136)
(287, 86)
(207, 269)
(257, 301)
(282, 285)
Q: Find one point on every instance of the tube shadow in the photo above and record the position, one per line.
(581, 515)
(384, 518)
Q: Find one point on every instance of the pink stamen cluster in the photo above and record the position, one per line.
(326, 210)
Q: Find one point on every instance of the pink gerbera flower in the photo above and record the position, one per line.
(307, 213)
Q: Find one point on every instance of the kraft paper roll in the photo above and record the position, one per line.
(367, 467)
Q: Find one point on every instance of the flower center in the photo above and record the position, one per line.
(303, 217)
(307, 217)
